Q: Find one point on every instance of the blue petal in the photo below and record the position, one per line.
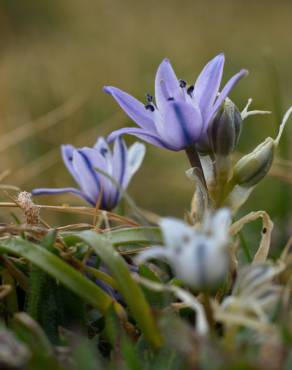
(141, 134)
(181, 126)
(88, 179)
(224, 93)
(119, 166)
(208, 83)
(67, 155)
(166, 84)
(134, 109)
(48, 191)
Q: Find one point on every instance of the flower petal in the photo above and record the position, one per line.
(136, 154)
(99, 162)
(134, 109)
(224, 93)
(208, 83)
(175, 232)
(181, 126)
(88, 179)
(154, 252)
(119, 167)
(147, 136)
(48, 191)
(67, 155)
(166, 84)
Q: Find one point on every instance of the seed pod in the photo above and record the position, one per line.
(253, 167)
(225, 129)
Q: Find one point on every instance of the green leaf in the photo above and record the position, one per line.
(143, 235)
(59, 270)
(28, 331)
(130, 290)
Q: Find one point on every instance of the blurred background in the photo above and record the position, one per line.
(55, 56)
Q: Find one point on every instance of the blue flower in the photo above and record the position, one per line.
(181, 115)
(84, 163)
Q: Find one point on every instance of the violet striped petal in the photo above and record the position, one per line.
(119, 166)
(134, 109)
(99, 162)
(224, 93)
(103, 148)
(166, 84)
(88, 179)
(208, 83)
(51, 191)
(141, 134)
(181, 125)
(67, 155)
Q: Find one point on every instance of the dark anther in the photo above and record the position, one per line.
(190, 90)
(264, 230)
(149, 98)
(170, 98)
(103, 151)
(182, 83)
(149, 107)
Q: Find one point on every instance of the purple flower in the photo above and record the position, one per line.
(84, 163)
(181, 114)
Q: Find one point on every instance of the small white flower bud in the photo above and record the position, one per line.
(199, 258)
(202, 265)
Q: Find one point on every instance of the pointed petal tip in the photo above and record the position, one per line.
(107, 89)
(244, 72)
(221, 55)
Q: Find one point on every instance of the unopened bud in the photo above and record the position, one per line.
(225, 129)
(203, 265)
(250, 169)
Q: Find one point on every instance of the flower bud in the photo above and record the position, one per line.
(202, 265)
(250, 169)
(225, 129)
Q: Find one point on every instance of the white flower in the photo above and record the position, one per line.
(198, 257)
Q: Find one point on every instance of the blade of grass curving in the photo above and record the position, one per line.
(143, 235)
(61, 271)
(130, 290)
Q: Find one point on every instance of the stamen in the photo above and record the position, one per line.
(103, 151)
(149, 98)
(149, 107)
(170, 98)
(182, 83)
(190, 90)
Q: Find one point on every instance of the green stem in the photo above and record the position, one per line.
(195, 162)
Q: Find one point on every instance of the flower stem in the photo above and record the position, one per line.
(196, 162)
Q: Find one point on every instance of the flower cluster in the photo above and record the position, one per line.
(101, 174)
(202, 120)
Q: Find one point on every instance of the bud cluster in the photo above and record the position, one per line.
(231, 184)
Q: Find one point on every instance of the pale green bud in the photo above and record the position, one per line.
(250, 169)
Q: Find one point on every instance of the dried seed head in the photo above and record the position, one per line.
(31, 211)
